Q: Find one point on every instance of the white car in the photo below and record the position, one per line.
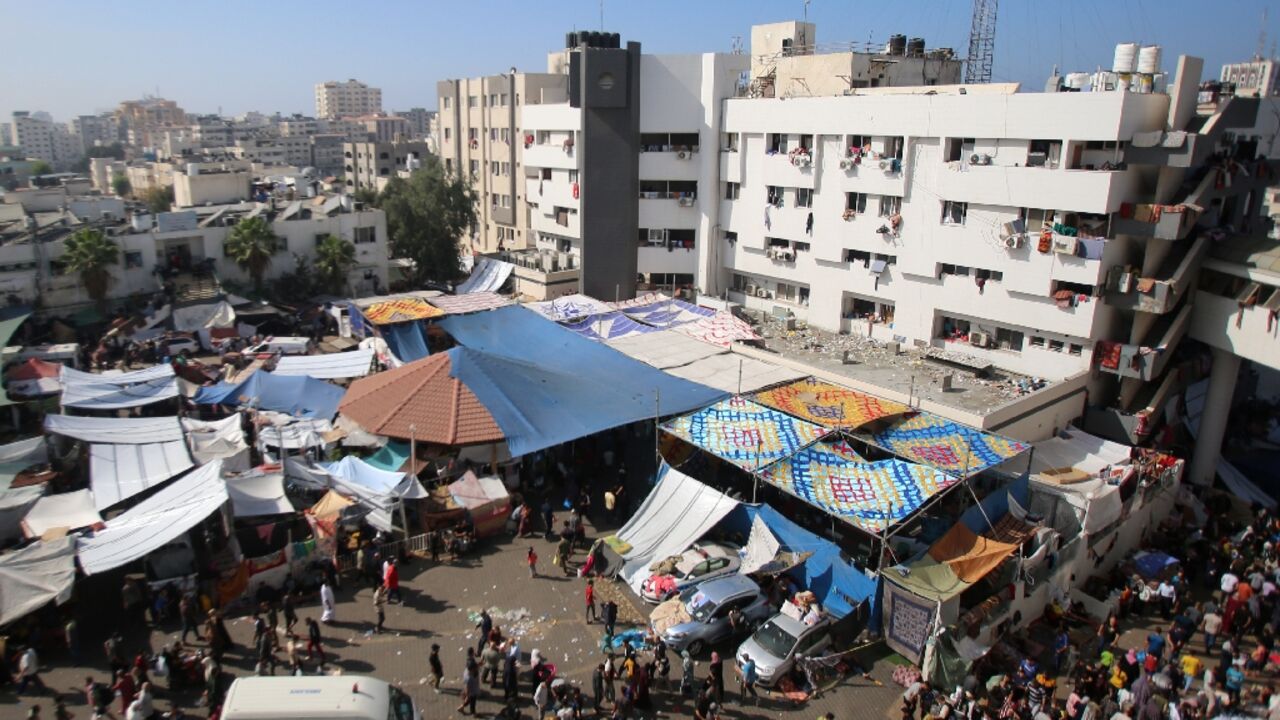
(283, 345)
(702, 562)
(775, 646)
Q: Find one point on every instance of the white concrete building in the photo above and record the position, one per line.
(335, 99)
(1258, 77)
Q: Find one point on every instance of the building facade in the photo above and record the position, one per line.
(336, 99)
(1256, 78)
(368, 165)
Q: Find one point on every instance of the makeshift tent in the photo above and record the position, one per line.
(488, 276)
(677, 512)
(257, 493)
(996, 504)
(359, 473)
(486, 501)
(721, 329)
(7, 329)
(762, 547)
(14, 505)
(204, 315)
(544, 385)
(400, 309)
(735, 373)
(220, 439)
(1073, 448)
(612, 325)
(331, 504)
(665, 349)
(661, 311)
(34, 378)
(115, 430)
(396, 456)
(354, 363)
(744, 433)
(422, 401)
(461, 304)
(948, 446)
(1097, 503)
(297, 435)
(112, 392)
(569, 307)
(297, 396)
(909, 618)
(120, 471)
(66, 511)
(407, 340)
(155, 521)
(18, 456)
(829, 405)
(970, 555)
(870, 495)
(34, 575)
(355, 436)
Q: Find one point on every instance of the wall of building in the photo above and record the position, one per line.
(210, 188)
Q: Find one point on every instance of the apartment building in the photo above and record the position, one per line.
(336, 99)
(137, 118)
(385, 128)
(41, 139)
(1259, 77)
(422, 123)
(368, 165)
(480, 136)
(95, 130)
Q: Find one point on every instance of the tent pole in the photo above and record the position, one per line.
(755, 473)
(740, 361)
(657, 420)
(413, 449)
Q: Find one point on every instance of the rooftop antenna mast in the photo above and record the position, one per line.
(982, 42)
(1262, 37)
(601, 15)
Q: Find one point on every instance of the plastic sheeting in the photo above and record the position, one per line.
(205, 315)
(545, 385)
(569, 307)
(1078, 449)
(387, 484)
(18, 456)
(218, 440)
(948, 446)
(488, 275)
(473, 302)
(111, 392)
(661, 311)
(721, 329)
(154, 522)
(665, 349)
(407, 341)
(391, 457)
(69, 510)
(354, 363)
(115, 430)
(744, 433)
(298, 435)
(118, 472)
(829, 405)
(257, 493)
(34, 575)
(761, 547)
(735, 373)
(607, 326)
(297, 396)
(677, 512)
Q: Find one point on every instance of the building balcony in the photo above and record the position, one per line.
(1243, 325)
(548, 192)
(661, 210)
(551, 155)
(1161, 292)
(1154, 221)
(1133, 425)
(666, 259)
(779, 169)
(1089, 191)
(1148, 359)
(670, 165)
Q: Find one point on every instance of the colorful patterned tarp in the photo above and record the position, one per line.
(569, 307)
(663, 312)
(872, 495)
(908, 620)
(402, 309)
(952, 448)
(721, 328)
(469, 303)
(606, 326)
(829, 405)
(746, 434)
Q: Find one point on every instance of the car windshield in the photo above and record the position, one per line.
(775, 640)
(401, 705)
(698, 605)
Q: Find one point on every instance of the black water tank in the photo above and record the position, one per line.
(593, 39)
(571, 40)
(897, 44)
(615, 40)
(915, 47)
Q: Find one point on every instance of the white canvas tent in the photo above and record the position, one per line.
(120, 471)
(14, 505)
(117, 391)
(257, 493)
(1077, 449)
(155, 521)
(70, 511)
(677, 512)
(34, 575)
(218, 440)
(333, 366)
(115, 430)
(206, 315)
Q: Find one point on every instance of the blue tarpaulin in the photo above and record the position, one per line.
(297, 395)
(840, 587)
(996, 504)
(545, 385)
(359, 327)
(390, 457)
(406, 340)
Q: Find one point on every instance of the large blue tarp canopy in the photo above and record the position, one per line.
(545, 385)
(407, 341)
(840, 587)
(297, 395)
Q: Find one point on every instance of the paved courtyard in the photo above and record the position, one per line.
(546, 613)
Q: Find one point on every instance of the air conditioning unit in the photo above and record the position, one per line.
(762, 293)
(1064, 245)
(787, 255)
(801, 160)
(685, 202)
(750, 289)
(979, 339)
(657, 235)
(885, 164)
(979, 159)
(683, 154)
(846, 164)
(1013, 242)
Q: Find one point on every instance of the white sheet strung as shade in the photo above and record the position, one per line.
(71, 510)
(71, 376)
(124, 390)
(118, 472)
(218, 440)
(115, 430)
(333, 366)
(34, 575)
(154, 522)
(254, 494)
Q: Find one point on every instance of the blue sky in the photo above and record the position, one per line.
(79, 57)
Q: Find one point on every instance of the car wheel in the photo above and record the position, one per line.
(696, 647)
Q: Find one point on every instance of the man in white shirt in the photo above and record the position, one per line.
(1228, 583)
(29, 671)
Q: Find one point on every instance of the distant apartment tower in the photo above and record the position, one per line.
(422, 122)
(41, 139)
(1256, 78)
(479, 136)
(137, 118)
(385, 128)
(369, 165)
(95, 130)
(335, 99)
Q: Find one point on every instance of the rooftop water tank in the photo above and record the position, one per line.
(1149, 60)
(1126, 58)
(1078, 81)
(897, 44)
(915, 47)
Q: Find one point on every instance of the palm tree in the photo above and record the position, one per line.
(334, 257)
(251, 245)
(90, 253)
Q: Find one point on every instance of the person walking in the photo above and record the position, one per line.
(562, 554)
(597, 686)
(510, 678)
(380, 607)
(190, 618)
(314, 646)
(391, 580)
(327, 603)
(590, 594)
(484, 624)
(490, 658)
(747, 679)
(532, 559)
(290, 613)
(610, 676)
(610, 617)
(437, 668)
(470, 684)
(541, 699)
(29, 671)
(715, 675)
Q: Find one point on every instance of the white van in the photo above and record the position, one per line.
(317, 697)
(283, 344)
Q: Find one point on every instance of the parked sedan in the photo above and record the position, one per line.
(699, 616)
(702, 562)
(775, 646)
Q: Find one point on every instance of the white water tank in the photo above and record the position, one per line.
(142, 222)
(1149, 60)
(1078, 81)
(1126, 58)
(193, 169)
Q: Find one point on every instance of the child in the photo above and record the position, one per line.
(532, 559)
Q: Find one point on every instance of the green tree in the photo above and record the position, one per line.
(90, 253)
(427, 216)
(120, 185)
(158, 199)
(368, 196)
(251, 245)
(334, 257)
(40, 167)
